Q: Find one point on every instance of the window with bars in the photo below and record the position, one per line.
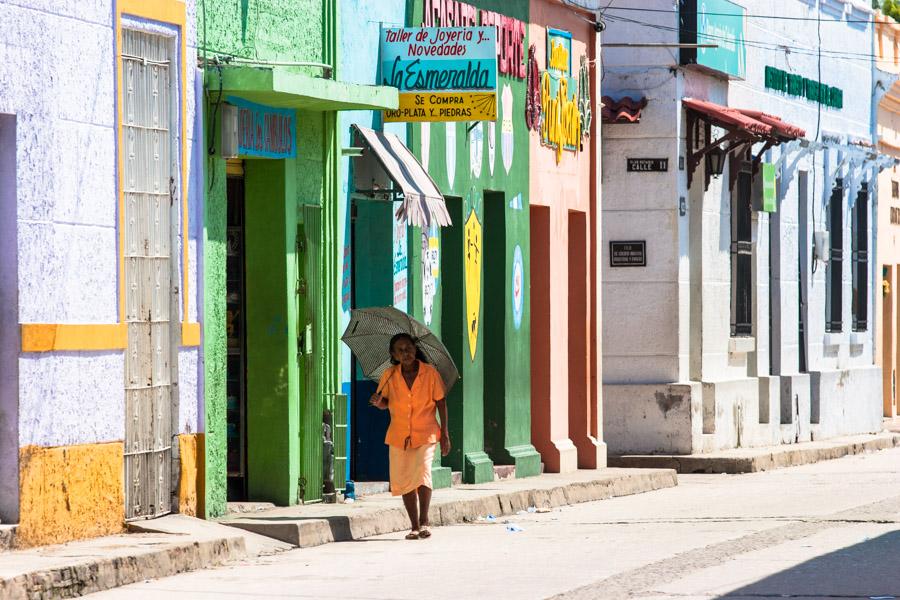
(741, 257)
(860, 258)
(834, 297)
(895, 189)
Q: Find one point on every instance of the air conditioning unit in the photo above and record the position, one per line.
(821, 245)
(229, 130)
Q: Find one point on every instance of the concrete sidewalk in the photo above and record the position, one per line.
(159, 548)
(751, 460)
(316, 524)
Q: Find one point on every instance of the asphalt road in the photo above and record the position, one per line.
(829, 530)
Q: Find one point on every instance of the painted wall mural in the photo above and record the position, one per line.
(451, 151)
(401, 258)
(492, 145)
(431, 269)
(518, 284)
(472, 244)
(476, 149)
(506, 127)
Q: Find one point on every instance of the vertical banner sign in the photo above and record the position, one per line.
(401, 262)
(561, 124)
(443, 73)
(768, 176)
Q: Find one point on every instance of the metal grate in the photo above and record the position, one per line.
(860, 258)
(742, 257)
(149, 188)
(340, 441)
(309, 320)
(834, 321)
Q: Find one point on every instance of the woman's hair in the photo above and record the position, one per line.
(405, 336)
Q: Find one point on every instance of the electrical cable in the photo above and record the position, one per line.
(836, 54)
(749, 16)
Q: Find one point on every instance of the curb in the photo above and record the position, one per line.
(90, 566)
(764, 460)
(309, 532)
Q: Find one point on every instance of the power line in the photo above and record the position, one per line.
(774, 17)
(837, 54)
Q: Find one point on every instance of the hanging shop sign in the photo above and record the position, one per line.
(647, 165)
(511, 32)
(628, 254)
(718, 22)
(560, 117)
(256, 130)
(443, 74)
(769, 202)
(801, 87)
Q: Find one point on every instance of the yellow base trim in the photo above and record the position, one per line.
(190, 334)
(41, 337)
(70, 492)
(189, 476)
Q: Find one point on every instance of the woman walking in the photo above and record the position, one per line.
(414, 393)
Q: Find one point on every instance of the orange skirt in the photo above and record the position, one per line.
(410, 468)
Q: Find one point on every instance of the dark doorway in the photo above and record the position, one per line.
(236, 366)
(495, 307)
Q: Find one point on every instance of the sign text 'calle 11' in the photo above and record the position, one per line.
(443, 74)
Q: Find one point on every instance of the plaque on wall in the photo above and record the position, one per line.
(628, 254)
(647, 165)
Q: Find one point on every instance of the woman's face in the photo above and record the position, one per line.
(404, 352)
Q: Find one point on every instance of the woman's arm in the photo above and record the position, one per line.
(378, 401)
(445, 431)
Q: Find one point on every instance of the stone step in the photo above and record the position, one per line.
(7, 537)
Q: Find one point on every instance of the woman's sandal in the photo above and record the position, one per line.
(424, 532)
(413, 535)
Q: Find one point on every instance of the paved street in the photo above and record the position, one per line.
(828, 530)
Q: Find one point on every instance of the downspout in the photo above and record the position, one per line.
(329, 372)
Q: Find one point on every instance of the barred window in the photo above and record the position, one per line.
(860, 240)
(741, 257)
(834, 298)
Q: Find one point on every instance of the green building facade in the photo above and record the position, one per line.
(271, 255)
(481, 314)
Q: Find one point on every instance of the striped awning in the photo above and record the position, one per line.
(423, 204)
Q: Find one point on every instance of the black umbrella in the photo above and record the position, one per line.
(369, 335)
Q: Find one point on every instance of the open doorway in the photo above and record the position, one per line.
(372, 284)
(495, 313)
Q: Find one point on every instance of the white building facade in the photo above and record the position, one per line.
(752, 322)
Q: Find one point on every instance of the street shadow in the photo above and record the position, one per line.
(870, 569)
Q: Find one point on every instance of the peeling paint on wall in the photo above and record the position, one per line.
(189, 481)
(69, 493)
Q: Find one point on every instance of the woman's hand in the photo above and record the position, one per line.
(378, 401)
(445, 443)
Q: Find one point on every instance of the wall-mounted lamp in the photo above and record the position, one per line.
(715, 161)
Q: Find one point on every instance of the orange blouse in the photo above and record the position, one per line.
(413, 411)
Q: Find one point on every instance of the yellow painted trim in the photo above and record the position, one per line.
(234, 166)
(190, 334)
(44, 337)
(165, 11)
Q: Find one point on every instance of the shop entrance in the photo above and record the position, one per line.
(236, 365)
(495, 303)
(372, 285)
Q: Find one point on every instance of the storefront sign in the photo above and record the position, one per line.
(511, 32)
(263, 131)
(770, 204)
(801, 87)
(561, 119)
(443, 74)
(401, 262)
(647, 165)
(628, 254)
(717, 22)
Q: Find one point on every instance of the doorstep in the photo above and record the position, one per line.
(316, 524)
(156, 548)
(766, 458)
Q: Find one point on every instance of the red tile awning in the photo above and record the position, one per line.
(779, 127)
(728, 117)
(624, 110)
(743, 129)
